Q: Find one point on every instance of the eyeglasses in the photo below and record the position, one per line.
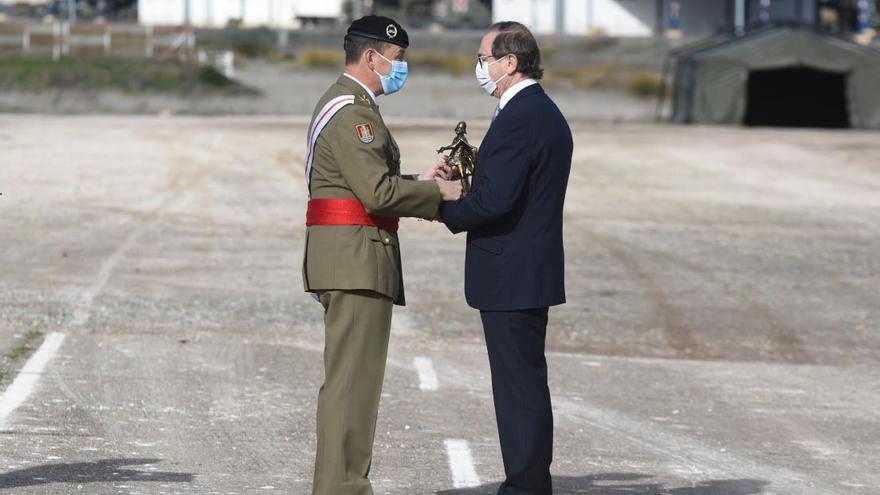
(482, 59)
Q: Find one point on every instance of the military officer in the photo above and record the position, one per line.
(352, 255)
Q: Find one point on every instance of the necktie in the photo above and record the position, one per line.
(497, 111)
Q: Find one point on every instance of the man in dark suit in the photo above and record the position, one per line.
(514, 269)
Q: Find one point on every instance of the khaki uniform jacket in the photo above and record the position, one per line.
(352, 257)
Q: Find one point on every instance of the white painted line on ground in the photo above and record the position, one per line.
(83, 308)
(461, 463)
(427, 375)
(28, 377)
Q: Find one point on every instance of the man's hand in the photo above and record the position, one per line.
(451, 189)
(439, 170)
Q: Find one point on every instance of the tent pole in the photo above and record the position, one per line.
(661, 91)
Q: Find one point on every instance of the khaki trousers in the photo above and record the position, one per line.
(357, 325)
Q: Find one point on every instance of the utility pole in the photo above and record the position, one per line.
(864, 17)
(674, 20)
(659, 17)
(534, 15)
(209, 7)
(865, 32)
(765, 12)
(560, 17)
(591, 15)
(739, 17)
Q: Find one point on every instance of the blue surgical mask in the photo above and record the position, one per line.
(392, 82)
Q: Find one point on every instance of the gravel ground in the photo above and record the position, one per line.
(722, 334)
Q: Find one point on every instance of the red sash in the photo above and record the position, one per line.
(346, 212)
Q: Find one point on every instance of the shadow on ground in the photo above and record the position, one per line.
(629, 484)
(103, 471)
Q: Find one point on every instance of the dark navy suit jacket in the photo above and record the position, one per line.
(513, 216)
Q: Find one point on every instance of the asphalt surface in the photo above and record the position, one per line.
(722, 335)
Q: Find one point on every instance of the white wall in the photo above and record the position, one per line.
(326, 9)
(157, 12)
(213, 13)
(623, 17)
(217, 13)
(537, 15)
(614, 17)
(268, 13)
(577, 17)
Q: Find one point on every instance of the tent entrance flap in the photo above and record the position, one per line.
(797, 97)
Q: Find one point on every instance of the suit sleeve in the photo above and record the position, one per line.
(364, 166)
(504, 171)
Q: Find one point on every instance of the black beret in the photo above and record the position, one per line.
(379, 28)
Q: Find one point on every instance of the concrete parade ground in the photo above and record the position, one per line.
(721, 337)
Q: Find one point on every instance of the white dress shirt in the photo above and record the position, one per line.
(513, 90)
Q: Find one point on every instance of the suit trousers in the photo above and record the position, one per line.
(357, 326)
(515, 341)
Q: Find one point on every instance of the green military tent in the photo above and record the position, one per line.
(782, 76)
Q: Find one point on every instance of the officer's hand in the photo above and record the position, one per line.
(451, 189)
(439, 170)
(453, 173)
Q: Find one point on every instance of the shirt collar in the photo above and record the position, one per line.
(513, 90)
(368, 90)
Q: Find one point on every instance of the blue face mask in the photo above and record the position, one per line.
(392, 82)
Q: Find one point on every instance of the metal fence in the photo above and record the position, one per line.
(63, 39)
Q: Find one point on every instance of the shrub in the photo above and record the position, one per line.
(120, 74)
(320, 58)
(644, 84)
